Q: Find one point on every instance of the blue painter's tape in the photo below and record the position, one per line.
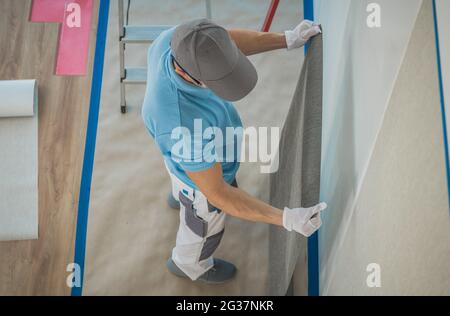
(91, 136)
(313, 241)
(308, 14)
(441, 92)
(313, 265)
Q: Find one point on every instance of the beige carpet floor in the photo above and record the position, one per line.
(131, 231)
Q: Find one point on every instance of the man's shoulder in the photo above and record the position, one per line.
(162, 42)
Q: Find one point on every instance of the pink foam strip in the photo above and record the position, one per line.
(73, 45)
(73, 49)
(47, 10)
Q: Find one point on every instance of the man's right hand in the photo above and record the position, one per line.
(303, 220)
(236, 202)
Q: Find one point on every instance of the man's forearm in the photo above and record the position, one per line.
(238, 203)
(253, 42)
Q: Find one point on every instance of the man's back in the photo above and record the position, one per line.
(172, 103)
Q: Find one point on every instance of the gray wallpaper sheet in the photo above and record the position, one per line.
(297, 180)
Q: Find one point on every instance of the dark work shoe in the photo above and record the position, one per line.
(172, 202)
(221, 272)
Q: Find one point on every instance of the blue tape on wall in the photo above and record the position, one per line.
(308, 14)
(313, 241)
(441, 91)
(91, 136)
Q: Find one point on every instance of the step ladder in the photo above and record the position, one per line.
(137, 34)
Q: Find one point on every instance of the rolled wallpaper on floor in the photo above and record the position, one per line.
(18, 160)
(18, 98)
(297, 181)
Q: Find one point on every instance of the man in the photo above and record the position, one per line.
(194, 71)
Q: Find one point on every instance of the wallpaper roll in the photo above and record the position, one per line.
(296, 183)
(17, 98)
(18, 160)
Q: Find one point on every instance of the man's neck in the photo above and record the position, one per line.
(182, 74)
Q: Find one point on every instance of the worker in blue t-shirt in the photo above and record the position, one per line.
(195, 71)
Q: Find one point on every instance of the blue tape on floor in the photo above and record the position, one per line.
(313, 241)
(441, 91)
(91, 136)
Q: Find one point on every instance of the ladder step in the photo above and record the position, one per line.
(135, 75)
(143, 34)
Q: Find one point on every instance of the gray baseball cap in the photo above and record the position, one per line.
(206, 52)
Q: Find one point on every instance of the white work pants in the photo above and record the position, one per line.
(200, 231)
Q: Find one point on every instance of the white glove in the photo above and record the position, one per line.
(301, 34)
(303, 220)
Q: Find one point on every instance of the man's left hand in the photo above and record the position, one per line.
(298, 37)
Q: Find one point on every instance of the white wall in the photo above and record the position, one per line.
(361, 66)
(400, 220)
(443, 19)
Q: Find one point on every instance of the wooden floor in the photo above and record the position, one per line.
(27, 51)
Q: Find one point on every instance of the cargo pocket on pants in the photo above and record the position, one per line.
(198, 225)
(210, 245)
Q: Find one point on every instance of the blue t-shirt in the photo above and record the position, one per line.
(193, 127)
